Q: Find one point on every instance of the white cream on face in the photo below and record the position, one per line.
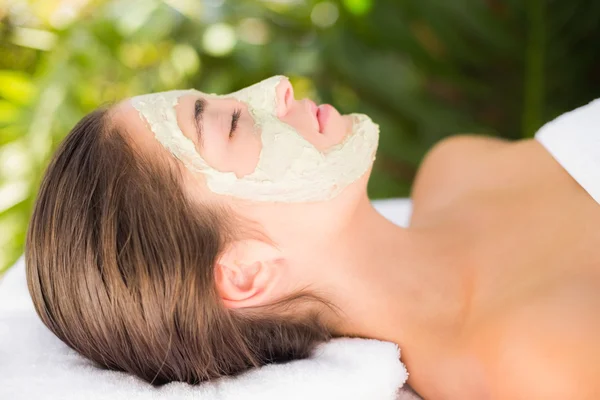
(289, 169)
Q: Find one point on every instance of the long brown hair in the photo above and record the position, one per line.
(120, 266)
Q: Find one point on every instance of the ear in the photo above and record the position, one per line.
(248, 272)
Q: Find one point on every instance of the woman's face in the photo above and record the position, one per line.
(260, 143)
(297, 169)
(223, 129)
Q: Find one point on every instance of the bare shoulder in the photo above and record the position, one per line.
(546, 349)
(447, 167)
(470, 142)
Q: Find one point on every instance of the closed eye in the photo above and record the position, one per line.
(235, 118)
(199, 109)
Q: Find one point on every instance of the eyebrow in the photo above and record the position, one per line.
(199, 108)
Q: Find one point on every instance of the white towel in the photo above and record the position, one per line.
(34, 364)
(573, 139)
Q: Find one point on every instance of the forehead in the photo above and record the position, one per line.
(136, 127)
(164, 98)
(127, 118)
(141, 137)
(132, 112)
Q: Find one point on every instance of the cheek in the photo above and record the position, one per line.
(243, 154)
(238, 154)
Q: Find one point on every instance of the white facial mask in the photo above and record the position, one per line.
(290, 169)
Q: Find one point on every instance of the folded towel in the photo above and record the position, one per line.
(573, 140)
(34, 364)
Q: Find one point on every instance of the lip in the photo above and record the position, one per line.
(323, 113)
(315, 111)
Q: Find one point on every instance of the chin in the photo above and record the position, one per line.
(355, 193)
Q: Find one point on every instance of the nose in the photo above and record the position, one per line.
(285, 97)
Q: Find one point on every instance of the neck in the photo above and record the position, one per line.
(393, 283)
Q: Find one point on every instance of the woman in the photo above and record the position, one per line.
(186, 236)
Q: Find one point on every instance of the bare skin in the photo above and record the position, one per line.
(493, 291)
(531, 262)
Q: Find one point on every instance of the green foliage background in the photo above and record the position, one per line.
(423, 69)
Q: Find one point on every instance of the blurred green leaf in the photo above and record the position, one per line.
(16, 87)
(358, 7)
(12, 194)
(13, 224)
(9, 133)
(423, 69)
(8, 112)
